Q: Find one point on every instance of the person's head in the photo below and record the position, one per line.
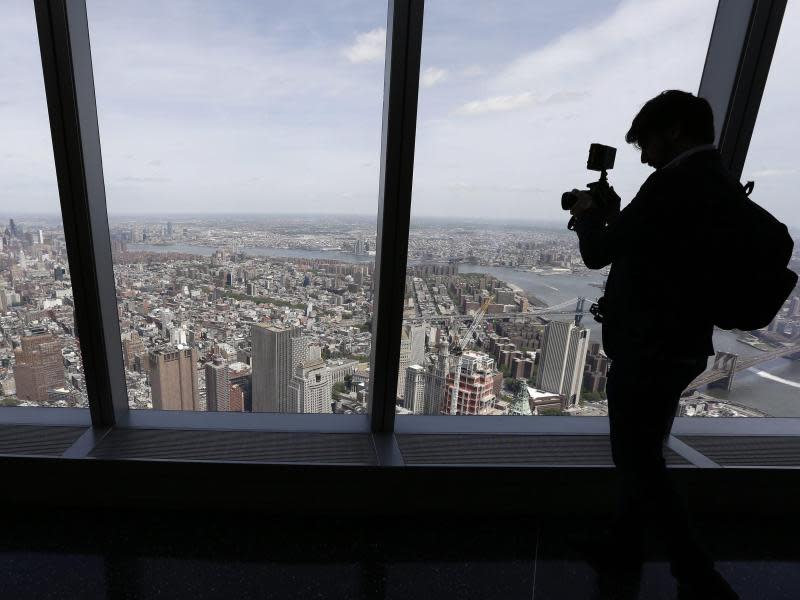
(670, 124)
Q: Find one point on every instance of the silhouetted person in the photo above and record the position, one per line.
(656, 329)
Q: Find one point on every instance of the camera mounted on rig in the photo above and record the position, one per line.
(601, 158)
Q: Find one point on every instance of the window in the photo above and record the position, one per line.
(40, 359)
(773, 386)
(241, 147)
(511, 96)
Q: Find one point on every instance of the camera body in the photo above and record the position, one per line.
(601, 158)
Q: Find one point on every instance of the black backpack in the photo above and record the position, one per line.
(755, 278)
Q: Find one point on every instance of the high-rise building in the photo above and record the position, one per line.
(272, 367)
(412, 352)
(435, 380)
(476, 386)
(236, 398)
(173, 379)
(217, 386)
(132, 347)
(310, 390)
(38, 366)
(414, 386)
(564, 348)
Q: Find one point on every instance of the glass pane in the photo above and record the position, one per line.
(241, 146)
(772, 386)
(40, 360)
(511, 96)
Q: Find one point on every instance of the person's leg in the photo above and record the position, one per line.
(641, 410)
(621, 389)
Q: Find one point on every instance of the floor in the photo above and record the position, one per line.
(222, 552)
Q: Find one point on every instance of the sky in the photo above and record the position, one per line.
(275, 107)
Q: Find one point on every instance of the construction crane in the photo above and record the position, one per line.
(458, 350)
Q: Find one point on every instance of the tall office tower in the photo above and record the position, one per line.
(40, 237)
(415, 389)
(476, 386)
(217, 386)
(132, 347)
(412, 352)
(272, 367)
(564, 348)
(311, 390)
(236, 398)
(173, 379)
(435, 380)
(38, 366)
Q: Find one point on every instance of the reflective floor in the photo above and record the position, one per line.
(222, 552)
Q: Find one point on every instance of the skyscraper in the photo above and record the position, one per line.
(236, 398)
(476, 386)
(173, 379)
(217, 385)
(272, 367)
(564, 348)
(415, 389)
(435, 380)
(38, 366)
(412, 352)
(311, 389)
(132, 347)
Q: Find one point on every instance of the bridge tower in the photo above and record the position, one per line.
(579, 311)
(725, 361)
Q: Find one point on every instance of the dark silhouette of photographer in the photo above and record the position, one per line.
(658, 312)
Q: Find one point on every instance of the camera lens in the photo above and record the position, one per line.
(568, 200)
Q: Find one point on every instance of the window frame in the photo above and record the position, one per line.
(737, 63)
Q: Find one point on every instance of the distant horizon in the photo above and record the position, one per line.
(415, 219)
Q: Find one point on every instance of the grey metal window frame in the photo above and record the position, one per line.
(737, 63)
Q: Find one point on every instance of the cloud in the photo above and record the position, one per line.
(773, 172)
(517, 102)
(135, 179)
(497, 104)
(432, 75)
(368, 47)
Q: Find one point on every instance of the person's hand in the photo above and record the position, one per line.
(613, 202)
(584, 203)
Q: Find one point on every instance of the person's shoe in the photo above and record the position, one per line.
(706, 585)
(618, 567)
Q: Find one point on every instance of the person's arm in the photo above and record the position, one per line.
(600, 243)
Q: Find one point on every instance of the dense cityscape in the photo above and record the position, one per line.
(273, 314)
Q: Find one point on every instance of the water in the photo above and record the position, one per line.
(776, 398)
(255, 251)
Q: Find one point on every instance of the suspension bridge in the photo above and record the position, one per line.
(726, 365)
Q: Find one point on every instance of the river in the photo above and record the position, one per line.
(772, 387)
(255, 251)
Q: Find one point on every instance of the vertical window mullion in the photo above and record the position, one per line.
(69, 88)
(738, 60)
(401, 87)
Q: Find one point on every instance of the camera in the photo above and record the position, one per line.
(601, 158)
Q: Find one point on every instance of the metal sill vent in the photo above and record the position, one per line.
(37, 440)
(479, 449)
(748, 451)
(237, 446)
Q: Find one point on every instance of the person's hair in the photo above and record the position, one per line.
(691, 114)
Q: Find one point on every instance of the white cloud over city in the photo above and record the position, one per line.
(276, 107)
